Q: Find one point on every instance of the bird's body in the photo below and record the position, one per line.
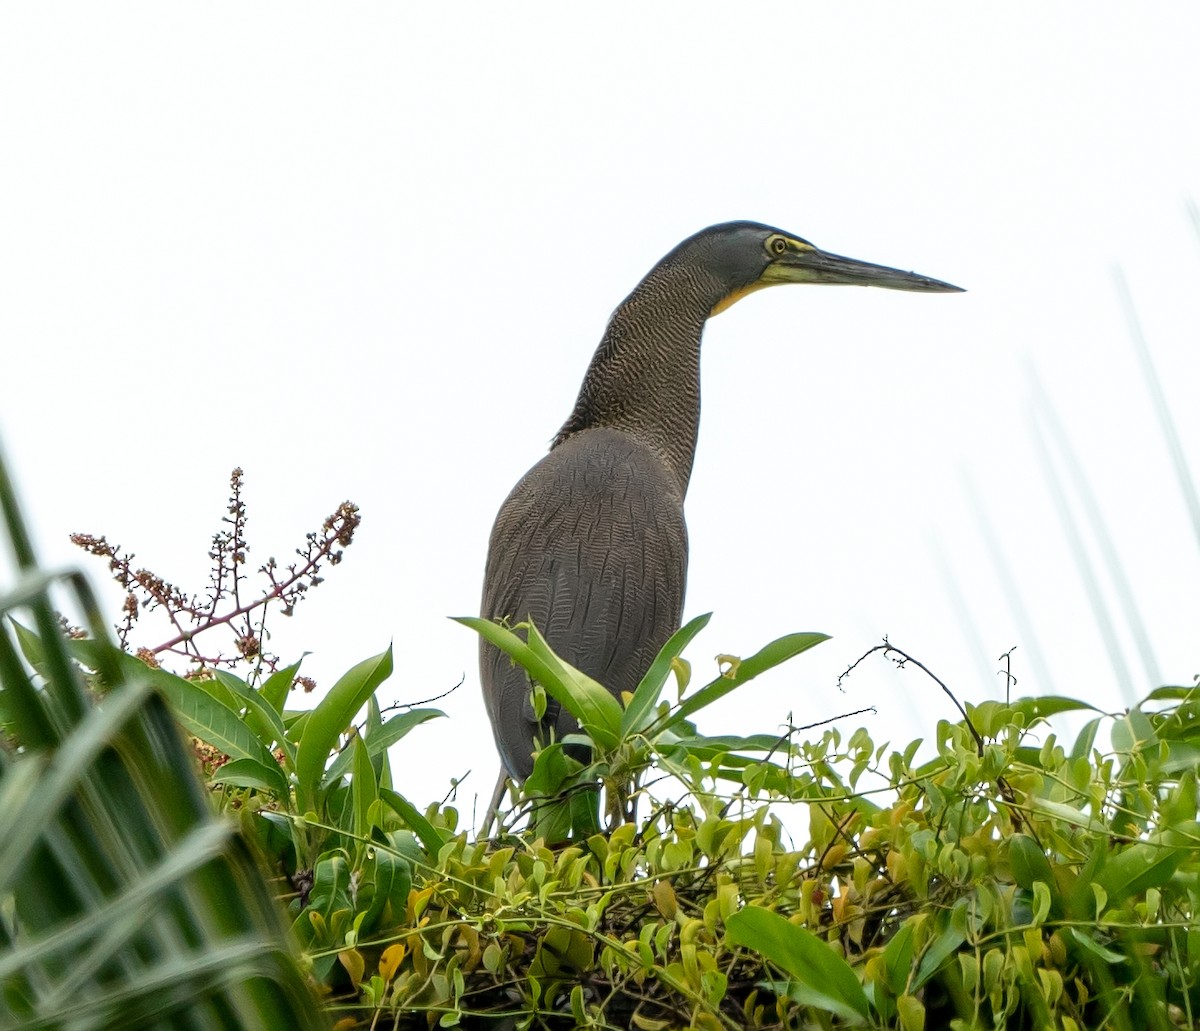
(591, 545)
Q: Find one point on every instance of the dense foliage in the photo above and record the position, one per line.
(996, 878)
(1007, 881)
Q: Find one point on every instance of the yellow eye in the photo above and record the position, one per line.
(779, 245)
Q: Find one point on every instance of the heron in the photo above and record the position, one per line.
(591, 545)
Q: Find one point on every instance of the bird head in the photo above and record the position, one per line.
(747, 256)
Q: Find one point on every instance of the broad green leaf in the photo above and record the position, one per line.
(1080, 903)
(217, 689)
(1182, 804)
(260, 716)
(645, 698)
(1170, 693)
(585, 813)
(705, 745)
(772, 655)
(912, 1013)
(897, 959)
(1181, 755)
(1068, 814)
(199, 711)
(276, 687)
(552, 767)
(1138, 867)
(431, 838)
(1050, 705)
(1094, 947)
(551, 819)
(1029, 862)
(249, 773)
(1133, 728)
(331, 718)
(331, 886)
(943, 945)
(30, 645)
(380, 740)
(1086, 741)
(822, 978)
(597, 711)
(364, 790)
(392, 878)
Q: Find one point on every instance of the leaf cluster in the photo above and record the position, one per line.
(1006, 881)
(934, 900)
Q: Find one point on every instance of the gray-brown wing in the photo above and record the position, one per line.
(592, 546)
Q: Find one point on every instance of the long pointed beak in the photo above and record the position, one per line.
(817, 266)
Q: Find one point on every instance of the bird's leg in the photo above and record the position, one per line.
(493, 812)
(632, 801)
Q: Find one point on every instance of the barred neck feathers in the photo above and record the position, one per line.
(644, 378)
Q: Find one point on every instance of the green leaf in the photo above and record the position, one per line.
(708, 746)
(1181, 805)
(260, 717)
(364, 790)
(1094, 947)
(1181, 755)
(552, 818)
(772, 655)
(1041, 902)
(1029, 862)
(331, 886)
(200, 711)
(897, 959)
(1080, 903)
(1170, 693)
(30, 645)
(1069, 814)
(597, 711)
(952, 935)
(822, 978)
(249, 773)
(392, 882)
(380, 740)
(645, 698)
(276, 687)
(1138, 867)
(1132, 729)
(431, 838)
(1046, 706)
(1086, 741)
(552, 768)
(585, 813)
(331, 718)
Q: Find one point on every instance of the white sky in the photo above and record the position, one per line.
(367, 254)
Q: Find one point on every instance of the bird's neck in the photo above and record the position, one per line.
(644, 378)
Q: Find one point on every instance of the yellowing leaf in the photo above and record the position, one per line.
(354, 963)
(391, 959)
(664, 899)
